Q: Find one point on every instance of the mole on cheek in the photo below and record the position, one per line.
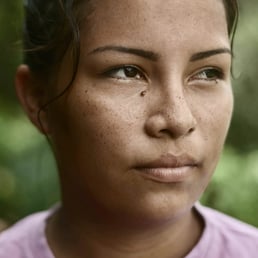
(143, 93)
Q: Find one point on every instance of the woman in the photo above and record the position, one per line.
(135, 98)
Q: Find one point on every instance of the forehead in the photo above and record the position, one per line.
(171, 23)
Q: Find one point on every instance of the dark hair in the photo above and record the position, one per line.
(50, 27)
(232, 13)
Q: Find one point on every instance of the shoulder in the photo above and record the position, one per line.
(19, 240)
(229, 225)
(233, 237)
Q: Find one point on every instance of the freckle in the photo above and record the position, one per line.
(143, 93)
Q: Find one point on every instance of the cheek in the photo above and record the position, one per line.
(93, 126)
(213, 111)
(220, 116)
(214, 121)
(105, 122)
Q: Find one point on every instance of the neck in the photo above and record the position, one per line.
(74, 236)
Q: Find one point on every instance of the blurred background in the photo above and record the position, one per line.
(28, 179)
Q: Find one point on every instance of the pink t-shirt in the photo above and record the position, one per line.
(223, 237)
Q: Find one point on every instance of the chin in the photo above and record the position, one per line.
(158, 207)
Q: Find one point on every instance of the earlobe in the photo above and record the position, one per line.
(31, 96)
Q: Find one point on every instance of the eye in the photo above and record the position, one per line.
(126, 72)
(208, 74)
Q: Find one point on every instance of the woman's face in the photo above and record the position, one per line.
(140, 131)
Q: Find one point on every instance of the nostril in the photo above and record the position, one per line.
(165, 131)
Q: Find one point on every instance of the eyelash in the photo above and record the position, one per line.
(208, 74)
(136, 72)
(216, 74)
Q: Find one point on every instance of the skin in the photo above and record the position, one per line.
(107, 124)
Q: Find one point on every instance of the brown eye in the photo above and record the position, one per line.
(209, 74)
(125, 73)
(131, 72)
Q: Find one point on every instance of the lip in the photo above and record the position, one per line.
(169, 168)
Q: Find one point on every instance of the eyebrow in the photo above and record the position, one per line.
(134, 51)
(155, 56)
(209, 53)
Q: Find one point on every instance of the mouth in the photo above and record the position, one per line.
(169, 168)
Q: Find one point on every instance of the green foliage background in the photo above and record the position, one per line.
(28, 179)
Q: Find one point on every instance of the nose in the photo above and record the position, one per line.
(171, 116)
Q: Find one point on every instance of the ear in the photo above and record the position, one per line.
(32, 94)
